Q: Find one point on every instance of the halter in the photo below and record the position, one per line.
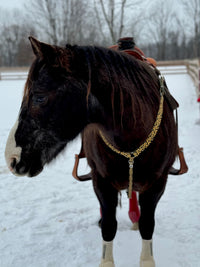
(132, 155)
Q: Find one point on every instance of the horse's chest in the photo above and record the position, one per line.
(107, 164)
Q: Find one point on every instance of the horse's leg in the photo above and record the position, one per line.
(148, 202)
(108, 198)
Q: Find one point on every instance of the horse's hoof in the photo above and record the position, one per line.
(107, 264)
(135, 226)
(147, 263)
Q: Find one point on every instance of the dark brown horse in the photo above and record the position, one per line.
(113, 100)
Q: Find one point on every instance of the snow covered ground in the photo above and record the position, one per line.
(51, 220)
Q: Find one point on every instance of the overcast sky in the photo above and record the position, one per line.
(11, 3)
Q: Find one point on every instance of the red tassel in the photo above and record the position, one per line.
(134, 211)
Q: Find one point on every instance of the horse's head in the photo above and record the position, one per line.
(53, 111)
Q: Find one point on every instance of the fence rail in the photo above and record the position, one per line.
(13, 75)
(192, 67)
(182, 69)
(194, 71)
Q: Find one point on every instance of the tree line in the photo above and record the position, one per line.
(163, 29)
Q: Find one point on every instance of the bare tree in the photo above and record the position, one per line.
(43, 14)
(112, 16)
(13, 35)
(161, 20)
(192, 12)
(59, 21)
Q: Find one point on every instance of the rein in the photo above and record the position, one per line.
(132, 155)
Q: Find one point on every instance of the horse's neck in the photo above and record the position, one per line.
(118, 115)
(124, 131)
(96, 112)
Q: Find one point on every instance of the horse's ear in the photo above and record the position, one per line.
(52, 55)
(35, 46)
(43, 50)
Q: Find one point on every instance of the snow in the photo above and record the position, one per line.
(51, 220)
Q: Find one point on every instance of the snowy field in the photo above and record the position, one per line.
(51, 220)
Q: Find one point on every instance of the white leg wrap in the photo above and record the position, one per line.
(107, 255)
(146, 258)
(135, 226)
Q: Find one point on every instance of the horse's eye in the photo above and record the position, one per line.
(40, 100)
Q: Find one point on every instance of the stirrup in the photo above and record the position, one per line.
(183, 165)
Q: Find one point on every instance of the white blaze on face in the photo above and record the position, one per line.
(12, 152)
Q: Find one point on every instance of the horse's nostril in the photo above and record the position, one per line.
(13, 163)
(17, 166)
